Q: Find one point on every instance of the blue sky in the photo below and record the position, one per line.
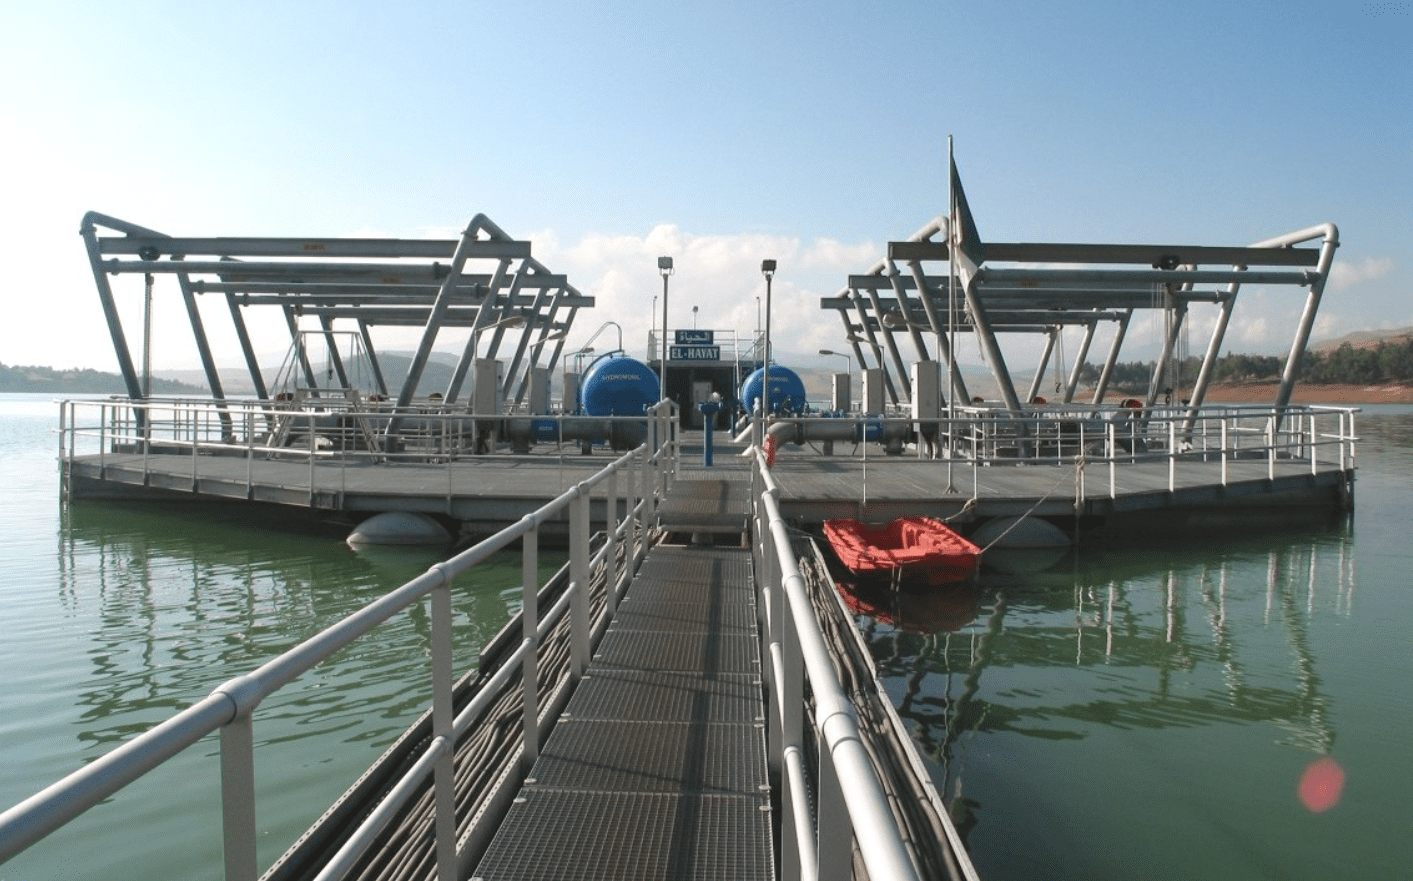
(720, 133)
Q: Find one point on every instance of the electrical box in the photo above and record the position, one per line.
(570, 402)
(840, 401)
(486, 398)
(539, 390)
(873, 390)
(927, 389)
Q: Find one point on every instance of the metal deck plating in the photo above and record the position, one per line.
(657, 768)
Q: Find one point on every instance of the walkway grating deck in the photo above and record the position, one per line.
(706, 505)
(657, 768)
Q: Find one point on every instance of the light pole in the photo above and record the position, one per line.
(847, 358)
(848, 377)
(694, 318)
(664, 267)
(767, 269)
(579, 359)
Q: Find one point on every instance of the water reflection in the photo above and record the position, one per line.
(915, 608)
(183, 599)
(1199, 634)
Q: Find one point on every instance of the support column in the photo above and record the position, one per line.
(110, 308)
(328, 325)
(372, 356)
(1107, 372)
(429, 332)
(990, 347)
(1312, 304)
(1050, 333)
(247, 349)
(1079, 359)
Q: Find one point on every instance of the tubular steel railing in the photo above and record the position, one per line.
(230, 708)
(326, 435)
(1311, 437)
(824, 810)
(332, 439)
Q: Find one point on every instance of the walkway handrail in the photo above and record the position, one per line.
(856, 802)
(1070, 435)
(975, 437)
(230, 706)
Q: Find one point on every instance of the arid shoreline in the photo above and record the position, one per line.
(1308, 393)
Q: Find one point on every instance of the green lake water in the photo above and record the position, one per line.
(1151, 709)
(1144, 710)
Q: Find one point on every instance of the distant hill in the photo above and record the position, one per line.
(1364, 339)
(81, 382)
(436, 376)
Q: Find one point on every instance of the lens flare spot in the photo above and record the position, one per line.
(1321, 785)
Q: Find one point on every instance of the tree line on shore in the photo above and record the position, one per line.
(25, 378)
(1390, 361)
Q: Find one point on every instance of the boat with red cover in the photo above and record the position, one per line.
(906, 547)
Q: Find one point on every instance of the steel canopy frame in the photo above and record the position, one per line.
(1053, 285)
(432, 284)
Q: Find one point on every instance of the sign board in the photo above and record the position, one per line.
(693, 353)
(694, 338)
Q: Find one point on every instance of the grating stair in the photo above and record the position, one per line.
(705, 506)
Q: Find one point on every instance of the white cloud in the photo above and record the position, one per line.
(717, 273)
(1344, 273)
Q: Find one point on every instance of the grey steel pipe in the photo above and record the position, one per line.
(1312, 301)
(829, 429)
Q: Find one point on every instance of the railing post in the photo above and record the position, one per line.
(1172, 455)
(834, 834)
(579, 576)
(312, 447)
(630, 503)
(65, 462)
(1314, 450)
(104, 414)
(792, 689)
(145, 438)
(250, 454)
(610, 528)
(649, 498)
(195, 447)
(1346, 427)
(788, 685)
(1226, 449)
(443, 720)
(1271, 447)
(238, 798)
(530, 671)
(1112, 438)
(664, 457)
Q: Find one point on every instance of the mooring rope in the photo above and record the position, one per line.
(1079, 467)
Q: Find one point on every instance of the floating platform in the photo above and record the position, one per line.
(1302, 470)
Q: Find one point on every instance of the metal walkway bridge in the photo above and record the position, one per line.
(658, 767)
(668, 706)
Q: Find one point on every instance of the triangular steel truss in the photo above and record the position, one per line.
(913, 294)
(483, 282)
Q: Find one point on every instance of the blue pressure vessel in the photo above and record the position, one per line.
(787, 390)
(618, 387)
